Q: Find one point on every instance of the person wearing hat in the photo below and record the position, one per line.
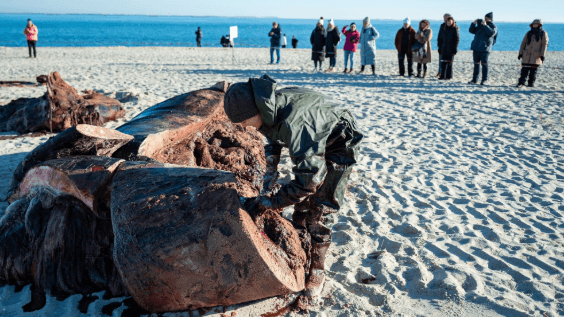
(368, 37)
(404, 41)
(30, 32)
(322, 140)
(351, 42)
(485, 36)
(294, 42)
(317, 40)
(332, 39)
(532, 52)
(440, 41)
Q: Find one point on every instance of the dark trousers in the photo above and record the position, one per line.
(317, 212)
(446, 66)
(401, 57)
(320, 63)
(30, 45)
(528, 70)
(421, 66)
(332, 61)
(199, 42)
(480, 58)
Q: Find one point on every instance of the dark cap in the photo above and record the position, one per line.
(239, 102)
(490, 15)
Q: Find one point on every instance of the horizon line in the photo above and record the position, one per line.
(240, 17)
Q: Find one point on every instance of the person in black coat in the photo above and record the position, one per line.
(332, 39)
(294, 42)
(199, 37)
(448, 47)
(317, 40)
(439, 40)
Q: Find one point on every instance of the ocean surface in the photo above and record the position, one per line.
(116, 30)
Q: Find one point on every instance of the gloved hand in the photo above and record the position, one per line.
(257, 205)
(520, 56)
(271, 175)
(542, 58)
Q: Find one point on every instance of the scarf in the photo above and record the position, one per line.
(537, 32)
(368, 26)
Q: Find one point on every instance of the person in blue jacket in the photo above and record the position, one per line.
(485, 36)
(368, 37)
(275, 42)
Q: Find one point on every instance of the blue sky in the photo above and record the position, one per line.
(504, 10)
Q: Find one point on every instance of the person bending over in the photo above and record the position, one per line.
(322, 139)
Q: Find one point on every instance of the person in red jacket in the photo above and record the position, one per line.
(30, 32)
(404, 41)
(353, 37)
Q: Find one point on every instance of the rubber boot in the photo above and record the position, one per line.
(316, 278)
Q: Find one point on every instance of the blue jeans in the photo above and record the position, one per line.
(272, 54)
(480, 58)
(440, 64)
(347, 55)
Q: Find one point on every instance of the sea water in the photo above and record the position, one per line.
(122, 30)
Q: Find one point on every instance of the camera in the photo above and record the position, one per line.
(479, 21)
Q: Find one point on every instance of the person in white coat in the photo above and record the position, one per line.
(368, 37)
(284, 42)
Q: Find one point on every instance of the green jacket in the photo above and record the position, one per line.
(301, 120)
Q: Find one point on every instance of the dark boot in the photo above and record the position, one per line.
(532, 76)
(346, 69)
(373, 69)
(320, 242)
(361, 69)
(524, 75)
(418, 70)
(425, 74)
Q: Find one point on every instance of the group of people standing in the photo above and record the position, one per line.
(415, 46)
(324, 45)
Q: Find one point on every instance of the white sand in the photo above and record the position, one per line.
(459, 188)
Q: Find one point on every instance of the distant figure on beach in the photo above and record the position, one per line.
(275, 35)
(332, 39)
(485, 36)
(422, 48)
(317, 40)
(440, 39)
(532, 52)
(30, 32)
(351, 42)
(404, 41)
(225, 41)
(368, 38)
(199, 37)
(322, 138)
(284, 42)
(448, 47)
(294, 42)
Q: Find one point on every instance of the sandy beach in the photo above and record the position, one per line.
(456, 207)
